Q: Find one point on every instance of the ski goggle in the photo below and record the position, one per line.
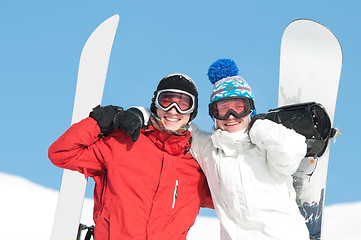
(166, 99)
(239, 107)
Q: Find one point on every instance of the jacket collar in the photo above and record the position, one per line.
(232, 144)
(170, 143)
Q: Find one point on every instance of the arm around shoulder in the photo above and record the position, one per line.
(75, 149)
(201, 142)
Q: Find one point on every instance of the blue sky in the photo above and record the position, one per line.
(41, 42)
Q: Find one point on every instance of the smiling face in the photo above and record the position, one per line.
(173, 120)
(233, 124)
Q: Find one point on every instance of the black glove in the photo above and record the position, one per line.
(104, 117)
(130, 121)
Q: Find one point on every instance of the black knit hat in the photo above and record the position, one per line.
(181, 82)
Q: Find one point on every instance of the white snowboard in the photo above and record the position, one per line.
(310, 68)
(92, 72)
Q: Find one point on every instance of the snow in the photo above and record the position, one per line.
(27, 212)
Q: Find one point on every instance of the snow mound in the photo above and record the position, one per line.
(27, 212)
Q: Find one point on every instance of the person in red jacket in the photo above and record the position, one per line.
(148, 189)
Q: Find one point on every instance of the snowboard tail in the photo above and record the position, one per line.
(92, 72)
(310, 68)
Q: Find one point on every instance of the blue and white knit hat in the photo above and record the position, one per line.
(223, 74)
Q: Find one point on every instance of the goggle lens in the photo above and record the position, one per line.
(222, 108)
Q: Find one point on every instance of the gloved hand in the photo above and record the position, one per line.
(104, 117)
(131, 121)
(256, 117)
(308, 119)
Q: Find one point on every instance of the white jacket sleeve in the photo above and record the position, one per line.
(201, 143)
(285, 148)
(146, 113)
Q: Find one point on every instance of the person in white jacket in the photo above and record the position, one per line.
(248, 163)
(248, 168)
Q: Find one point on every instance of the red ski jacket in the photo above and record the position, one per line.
(150, 189)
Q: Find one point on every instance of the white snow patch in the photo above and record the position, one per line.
(27, 212)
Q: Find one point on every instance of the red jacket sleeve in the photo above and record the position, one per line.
(76, 149)
(206, 198)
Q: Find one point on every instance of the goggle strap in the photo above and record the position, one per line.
(251, 103)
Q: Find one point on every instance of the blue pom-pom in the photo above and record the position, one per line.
(222, 68)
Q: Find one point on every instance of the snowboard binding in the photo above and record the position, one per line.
(89, 233)
(308, 119)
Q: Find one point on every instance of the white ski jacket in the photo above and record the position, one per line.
(249, 176)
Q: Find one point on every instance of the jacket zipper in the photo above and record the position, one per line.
(220, 187)
(175, 195)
